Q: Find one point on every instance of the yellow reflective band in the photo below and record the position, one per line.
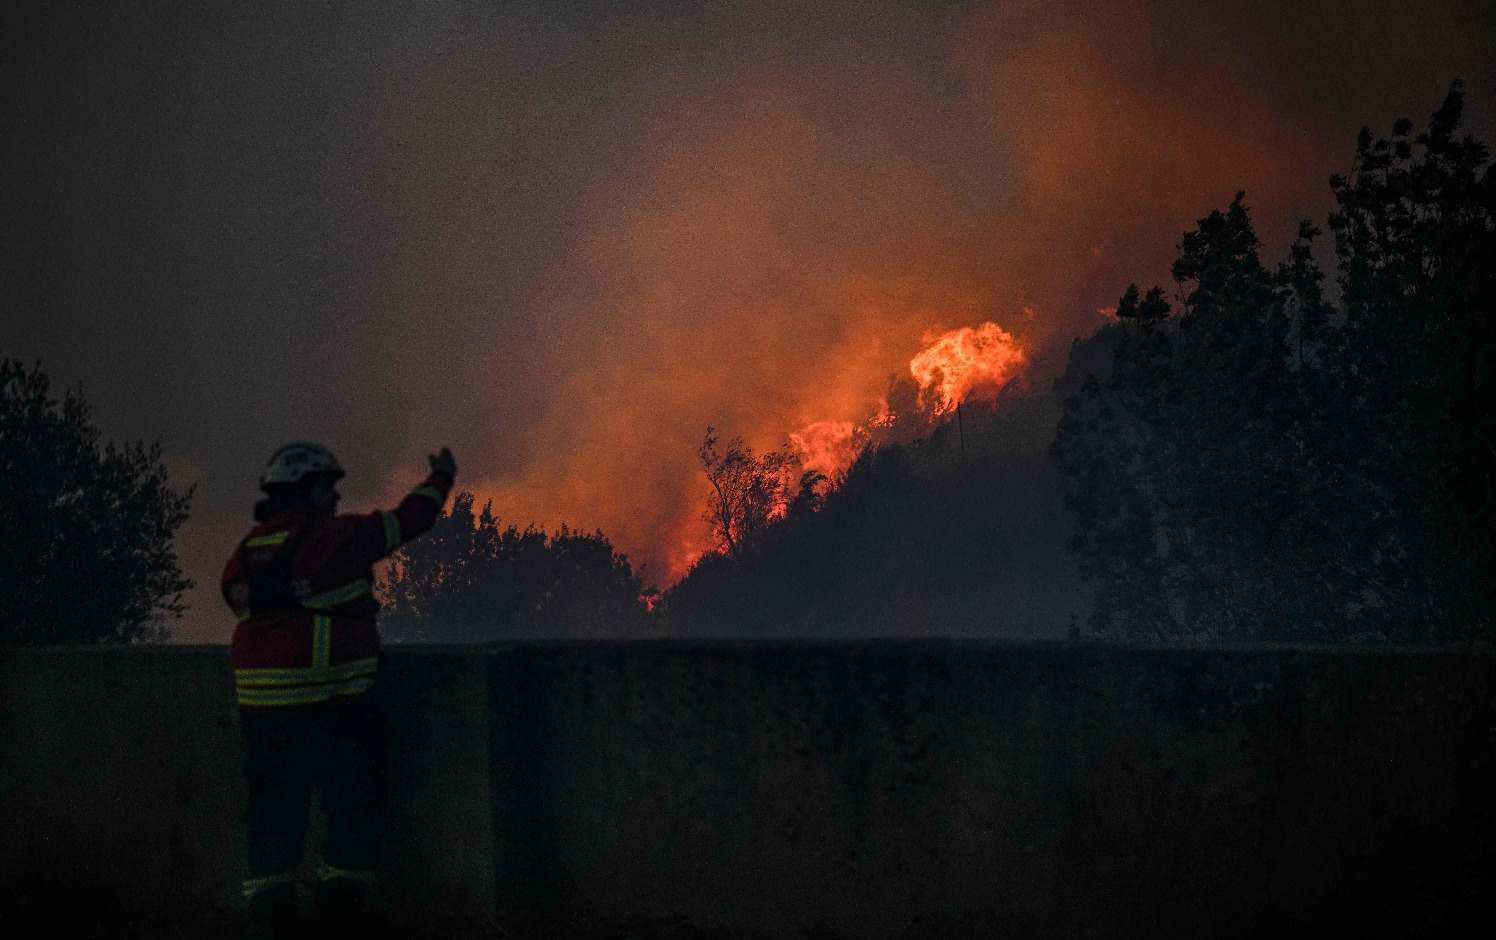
(336, 596)
(242, 614)
(326, 871)
(270, 538)
(321, 640)
(305, 676)
(253, 886)
(306, 695)
(304, 686)
(431, 493)
(391, 530)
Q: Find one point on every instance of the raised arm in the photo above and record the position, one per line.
(417, 512)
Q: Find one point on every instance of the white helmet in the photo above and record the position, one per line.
(295, 461)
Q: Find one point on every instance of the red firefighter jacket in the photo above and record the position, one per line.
(326, 650)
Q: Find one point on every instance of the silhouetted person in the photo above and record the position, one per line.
(305, 653)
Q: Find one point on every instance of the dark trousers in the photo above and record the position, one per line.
(337, 748)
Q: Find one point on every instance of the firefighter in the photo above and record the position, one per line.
(305, 654)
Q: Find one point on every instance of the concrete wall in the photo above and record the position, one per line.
(789, 790)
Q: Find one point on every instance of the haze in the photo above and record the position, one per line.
(565, 239)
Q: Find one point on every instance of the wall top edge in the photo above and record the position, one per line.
(702, 645)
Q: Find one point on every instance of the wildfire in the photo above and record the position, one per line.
(679, 559)
(962, 362)
(953, 367)
(827, 447)
(885, 417)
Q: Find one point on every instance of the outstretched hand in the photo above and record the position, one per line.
(444, 463)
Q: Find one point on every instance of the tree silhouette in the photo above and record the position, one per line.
(1410, 374)
(85, 531)
(748, 492)
(1262, 464)
(472, 580)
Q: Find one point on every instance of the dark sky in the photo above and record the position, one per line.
(565, 238)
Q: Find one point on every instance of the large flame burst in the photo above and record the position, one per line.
(962, 362)
(953, 366)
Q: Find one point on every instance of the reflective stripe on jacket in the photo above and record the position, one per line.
(329, 648)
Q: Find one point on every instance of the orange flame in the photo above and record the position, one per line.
(885, 416)
(681, 558)
(827, 447)
(964, 361)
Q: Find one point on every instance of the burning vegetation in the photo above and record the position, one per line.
(969, 363)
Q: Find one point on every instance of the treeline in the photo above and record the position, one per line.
(928, 537)
(471, 579)
(1282, 456)
(931, 537)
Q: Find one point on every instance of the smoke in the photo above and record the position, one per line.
(828, 447)
(566, 240)
(759, 246)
